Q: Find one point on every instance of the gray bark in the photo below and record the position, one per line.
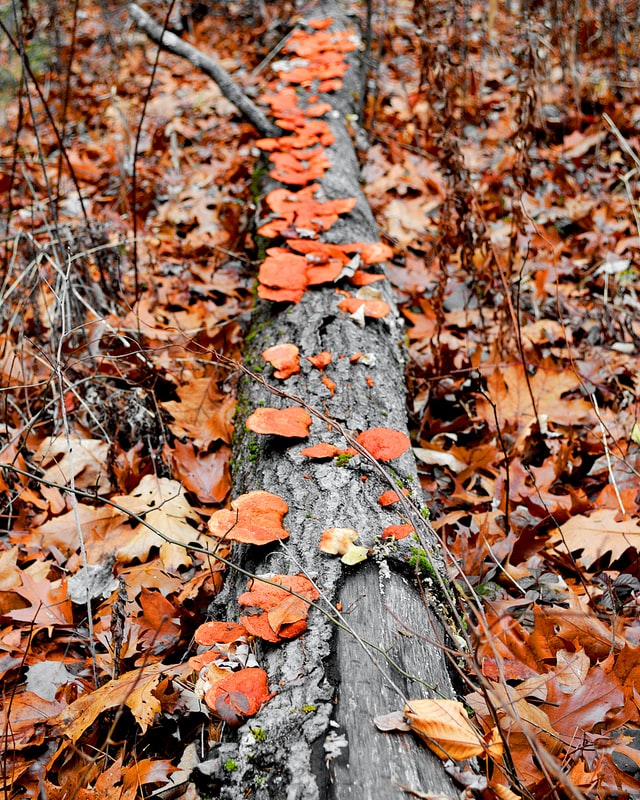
(329, 683)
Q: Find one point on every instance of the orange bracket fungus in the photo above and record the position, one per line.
(292, 422)
(320, 360)
(284, 358)
(390, 497)
(384, 444)
(239, 695)
(274, 614)
(254, 518)
(210, 633)
(397, 532)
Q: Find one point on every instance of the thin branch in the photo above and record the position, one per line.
(173, 44)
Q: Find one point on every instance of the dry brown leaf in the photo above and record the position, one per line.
(600, 534)
(446, 729)
(163, 504)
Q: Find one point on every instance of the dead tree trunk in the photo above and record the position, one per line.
(316, 738)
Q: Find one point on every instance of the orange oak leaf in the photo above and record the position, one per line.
(384, 444)
(445, 727)
(49, 604)
(285, 358)
(291, 422)
(204, 473)
(254, 518)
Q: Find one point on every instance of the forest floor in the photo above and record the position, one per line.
(502, 169)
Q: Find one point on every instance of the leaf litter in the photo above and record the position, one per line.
(513, 259)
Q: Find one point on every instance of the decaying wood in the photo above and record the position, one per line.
(316, 738)
(230, 89)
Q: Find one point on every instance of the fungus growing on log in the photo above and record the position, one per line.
(385, 444)
(254, 518)
(284, 358)
(292, 422)
(275, 614)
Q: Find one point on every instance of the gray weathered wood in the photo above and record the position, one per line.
(329, 684)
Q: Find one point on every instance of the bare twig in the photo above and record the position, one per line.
(228, 87)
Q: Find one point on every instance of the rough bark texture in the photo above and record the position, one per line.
(316, 737)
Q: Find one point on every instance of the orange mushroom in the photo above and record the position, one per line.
(292, 422)
(384, 444)
(285, 358)
(254, 518)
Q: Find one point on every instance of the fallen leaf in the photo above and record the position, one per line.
(163, 504)
(598, 535)
(446, 729)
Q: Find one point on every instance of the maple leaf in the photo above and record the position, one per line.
(163, 504)
(134, 690)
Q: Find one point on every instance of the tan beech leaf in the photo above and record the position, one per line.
(446, 729)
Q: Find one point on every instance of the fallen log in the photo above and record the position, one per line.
(374, 637)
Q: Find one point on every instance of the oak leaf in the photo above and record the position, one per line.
(163, 504)
(600, 534)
